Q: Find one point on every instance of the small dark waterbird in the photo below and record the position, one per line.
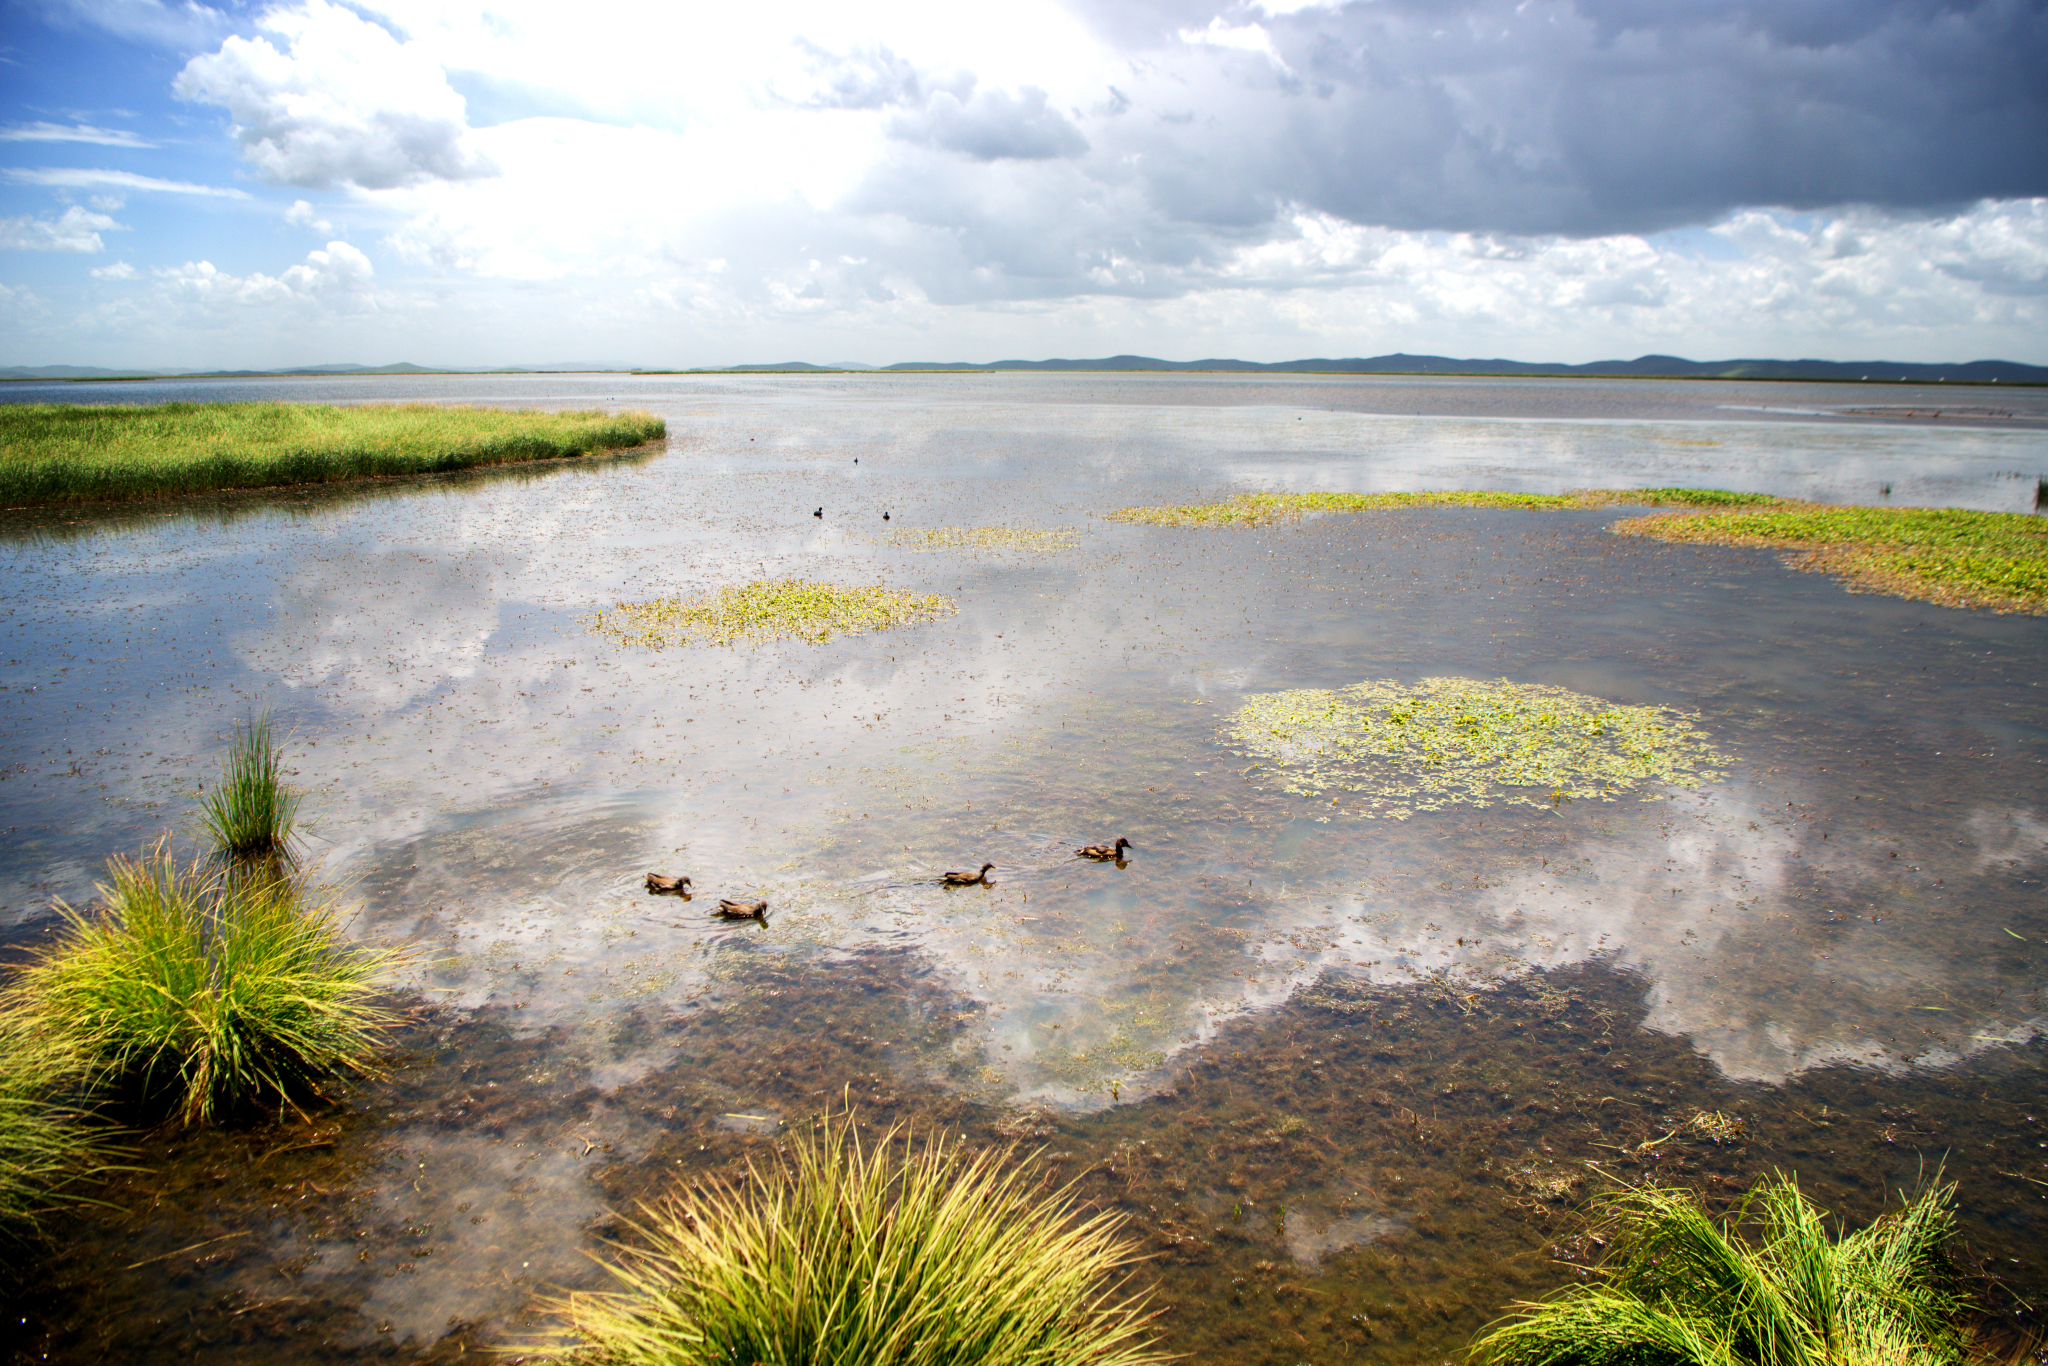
(743, 910)
(885, 516)
(1104, 852)
(661, 884)
(959, 879)
(819, 513)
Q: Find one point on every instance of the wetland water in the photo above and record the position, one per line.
(1348, 1076)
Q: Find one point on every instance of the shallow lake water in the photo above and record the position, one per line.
(1348, 1076)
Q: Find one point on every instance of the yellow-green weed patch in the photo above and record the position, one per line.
(984, 538)
(1382, 748)
(1952, 556)
(1263, 509)
(769, 609)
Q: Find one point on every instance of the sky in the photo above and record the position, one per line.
(528, 182)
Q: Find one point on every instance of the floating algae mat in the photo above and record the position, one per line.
(1382, 748)
(769, 609)
(989, 538)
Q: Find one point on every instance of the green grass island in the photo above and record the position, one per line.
(63, 453)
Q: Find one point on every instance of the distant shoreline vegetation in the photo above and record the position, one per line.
(58, 453)
(1953, 557)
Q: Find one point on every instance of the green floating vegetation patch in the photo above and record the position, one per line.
(1263, 509)
(1385, 749)
(985, 538)
(1952, 556)
(769, 609)
(76, 453)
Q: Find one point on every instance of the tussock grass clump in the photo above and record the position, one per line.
(250, 812)
(985, 538)
(48, 1148)
(1382, 748)
(206, 990)
(75, 453)
(853, 1254)
(1679, 1289)
(769, 609)
(1951, 556)
(1263, 509)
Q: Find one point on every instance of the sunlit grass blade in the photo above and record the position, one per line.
(1682, 1289)
(205, 990)
(250, 811)
(49, 1149)
(901, 1252)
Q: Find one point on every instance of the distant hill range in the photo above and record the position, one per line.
(1645, 367)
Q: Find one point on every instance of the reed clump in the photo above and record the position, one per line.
(766, 610)
(49, 1146)
(1679, 1288)
(905, 1252)
(250, 811)
(75, 453)
(206, 988)
(1952, 556)
(1264, 509)
(986, 539)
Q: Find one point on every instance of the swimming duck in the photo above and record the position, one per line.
(1104, 852)
(957, 879)
(819, 513)
(743, 910)
(661, 884)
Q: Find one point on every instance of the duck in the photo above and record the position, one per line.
(1104, 852)
(743, 910)
(661, 884)
(958, 879)
(819, 513)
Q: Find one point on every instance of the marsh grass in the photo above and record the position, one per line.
(205, 990)
(1263, 509)
(769, 609)
(905, 1251)
(987, 539)
(49, 1147)
(1951, 556)
(250, 812)
(1680, 1289)
(72, 453)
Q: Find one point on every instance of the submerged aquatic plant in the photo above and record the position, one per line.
(1953, 556)
(250, 811)
(206, 989)
(985, 538)
(1262, 509)
(852, 1253)
(1680, 1289)
(1382, 748)
(766, 610)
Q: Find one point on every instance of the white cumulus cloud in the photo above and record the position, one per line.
(119, 270)
(337, 276)
(76, 230)
(343, 103)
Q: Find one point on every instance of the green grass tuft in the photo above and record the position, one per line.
(856, 1254)
(250, 812)
(206, 991)
(1679, 1289)
(1263, 509)
(73, 453)
(48, 1149)
(768, 609)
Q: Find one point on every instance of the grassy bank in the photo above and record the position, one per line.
(72, 453)
(1951, 556)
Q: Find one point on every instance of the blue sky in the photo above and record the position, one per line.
(475, 182)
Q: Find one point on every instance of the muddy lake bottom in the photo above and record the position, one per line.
(1352, 1078)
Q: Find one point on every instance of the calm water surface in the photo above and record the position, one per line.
(1349, 1076)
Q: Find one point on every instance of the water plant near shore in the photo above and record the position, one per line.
(989, 539)
(48, 1148)
(1680, 1289)
(1382, 748)
(76, 453)
(206, 990)
(1263, 509)
(900, 1252)
(769, 609)
(1952, 556)
(250, 812)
